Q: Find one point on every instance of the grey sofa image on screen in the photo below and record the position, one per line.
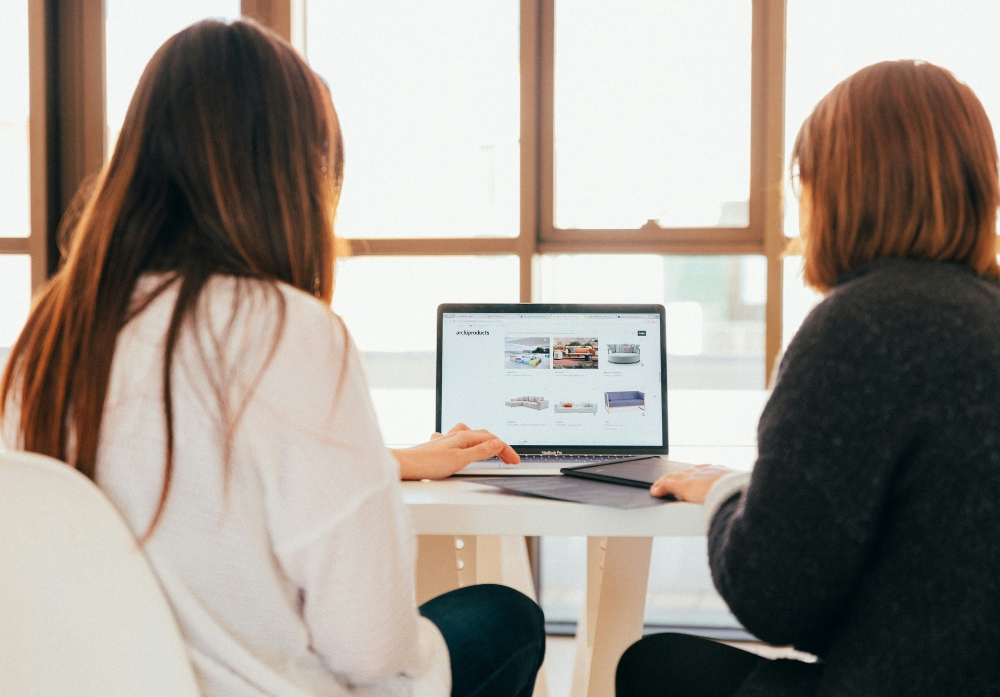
(623, 353)
(619, 400)
(575, 408)
(530, 402)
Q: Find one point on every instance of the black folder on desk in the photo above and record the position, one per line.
(616, 484)
(639, 473)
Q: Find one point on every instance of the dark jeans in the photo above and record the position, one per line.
(496, 639)
(679, 664)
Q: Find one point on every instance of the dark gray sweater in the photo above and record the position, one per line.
(870, 531)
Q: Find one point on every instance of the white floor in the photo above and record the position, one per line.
(559, 664)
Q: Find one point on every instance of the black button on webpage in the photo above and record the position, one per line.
(642, 332)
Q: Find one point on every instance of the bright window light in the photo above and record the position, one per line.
(831, 40)
(428, 96)
(684, 328)
(15, 297)
(14, 198)
(652, 113)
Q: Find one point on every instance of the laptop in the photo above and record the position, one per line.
(564, 385)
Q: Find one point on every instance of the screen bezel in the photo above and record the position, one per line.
(550, 308)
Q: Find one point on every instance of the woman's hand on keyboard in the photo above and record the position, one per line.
(447, 453)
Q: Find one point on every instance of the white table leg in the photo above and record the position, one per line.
(611, 620)
(516, 573)
(516, 567)
(467, 557)
(445, 563)
(437, 571)
(489, 559)
(504, 560)
(587, 624)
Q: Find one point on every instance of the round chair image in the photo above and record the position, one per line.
(623, 353)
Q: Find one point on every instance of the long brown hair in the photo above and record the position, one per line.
(230, 161)
(899, 160)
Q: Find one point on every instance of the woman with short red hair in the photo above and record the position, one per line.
(869, 531)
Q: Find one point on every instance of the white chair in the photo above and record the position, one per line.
(81, 612)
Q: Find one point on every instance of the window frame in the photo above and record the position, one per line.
(34, 245)
(68, 136)
(66, 130)
(538, 235)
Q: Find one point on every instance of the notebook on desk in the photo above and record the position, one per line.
(563, 384)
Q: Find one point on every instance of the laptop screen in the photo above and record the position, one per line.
(571, 377)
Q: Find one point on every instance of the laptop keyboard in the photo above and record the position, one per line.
(559, 459)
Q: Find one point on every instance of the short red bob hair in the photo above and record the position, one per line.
(898, 160)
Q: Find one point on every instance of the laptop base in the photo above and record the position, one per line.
(539, 465)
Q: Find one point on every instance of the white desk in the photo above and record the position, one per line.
(470, 533)
(717, 426)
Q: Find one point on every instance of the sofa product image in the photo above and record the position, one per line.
(530, 402)
(575, 408)
(623, 353)
(528, 358)
(616, 400)
(583, 353)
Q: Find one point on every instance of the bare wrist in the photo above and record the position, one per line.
(402, 459)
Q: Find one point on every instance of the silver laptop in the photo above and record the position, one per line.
(563, 384)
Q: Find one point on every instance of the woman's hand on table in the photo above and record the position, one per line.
(447, 453)
(691, 484)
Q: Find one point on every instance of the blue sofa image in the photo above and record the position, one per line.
(613, 400)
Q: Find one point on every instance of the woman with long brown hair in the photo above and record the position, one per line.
(186, 359)
(867, 533)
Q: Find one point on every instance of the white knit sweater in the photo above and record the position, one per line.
(289, 563)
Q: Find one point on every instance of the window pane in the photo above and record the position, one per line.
(652, 113)
(14, 198)
(831, 40)
(428, 96)
(15, 298)
(715, 308)
(715, 378)
(134, 29)
(390, 307)
(799, 299)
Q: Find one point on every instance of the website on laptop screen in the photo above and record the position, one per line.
(563, 379)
